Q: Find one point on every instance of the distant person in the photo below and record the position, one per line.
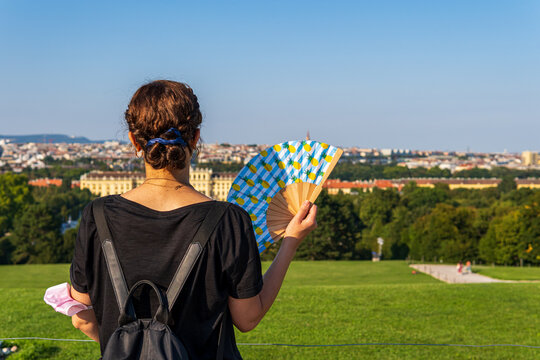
(153, 224)
(468, 268)
(459, 268)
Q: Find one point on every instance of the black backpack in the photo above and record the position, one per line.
(152, 338)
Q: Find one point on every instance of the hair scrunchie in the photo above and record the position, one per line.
(178, 140)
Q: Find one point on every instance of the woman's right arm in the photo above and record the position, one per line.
(247, 313)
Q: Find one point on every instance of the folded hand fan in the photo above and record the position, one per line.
(274, 184)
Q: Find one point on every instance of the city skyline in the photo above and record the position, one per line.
(78, 140)
(20, 155)
(411, 75)
(125, 140)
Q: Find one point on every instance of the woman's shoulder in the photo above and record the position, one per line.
(234, 211)
(88, 209)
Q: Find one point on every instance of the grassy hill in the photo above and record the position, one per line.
(322, 303)
(509, 272)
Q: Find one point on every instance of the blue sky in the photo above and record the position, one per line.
(427, 74)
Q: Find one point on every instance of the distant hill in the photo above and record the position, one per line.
(49, 138)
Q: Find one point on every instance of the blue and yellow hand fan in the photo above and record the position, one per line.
(274, 184)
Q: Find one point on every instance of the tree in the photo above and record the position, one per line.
(377, 206)
(529, 245)
(368, 243)
(396, 172)
(446, 233)
(437, 172)
(64, 253)
(507, 184)
(395, 234)
(36, 236)
(6, 249)
(503, 243)
(475, 173)
(508, 234)
(421, 200)
(337, 230)
(14, 195)
(488, 244)
(518, 197)
(478, 198)
(66, 202)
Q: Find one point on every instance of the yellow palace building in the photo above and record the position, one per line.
(103, 183)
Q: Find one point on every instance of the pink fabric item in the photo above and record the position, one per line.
(59, 298)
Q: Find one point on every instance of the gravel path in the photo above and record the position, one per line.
(449, 274)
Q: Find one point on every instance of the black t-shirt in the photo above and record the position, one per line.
(150, 245)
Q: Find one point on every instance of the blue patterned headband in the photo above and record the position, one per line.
(178, 140)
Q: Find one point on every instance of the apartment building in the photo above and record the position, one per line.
(334, 186)
(530, 158)
(103, 183)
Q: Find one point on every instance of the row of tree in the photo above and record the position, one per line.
(349, 171)
(496, 225)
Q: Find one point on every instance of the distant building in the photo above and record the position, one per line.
(529, 158)
(452, 183)
(45, 182)
(201, 179)
(334, 186)
(103, 183)
(528, 183)
(221, 184)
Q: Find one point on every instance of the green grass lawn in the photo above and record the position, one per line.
(509, 272)
(322, 303)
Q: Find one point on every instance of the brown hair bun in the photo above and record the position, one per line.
(154, 109)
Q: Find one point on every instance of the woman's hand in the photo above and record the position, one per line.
(301, 224)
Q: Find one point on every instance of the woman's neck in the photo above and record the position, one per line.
(179, 175)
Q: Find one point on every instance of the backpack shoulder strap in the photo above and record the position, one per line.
(113, 265)
(195, 249)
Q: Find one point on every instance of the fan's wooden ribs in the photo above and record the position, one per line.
(284, 205)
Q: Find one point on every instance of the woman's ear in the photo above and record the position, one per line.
(196, 138)
(133, 141)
